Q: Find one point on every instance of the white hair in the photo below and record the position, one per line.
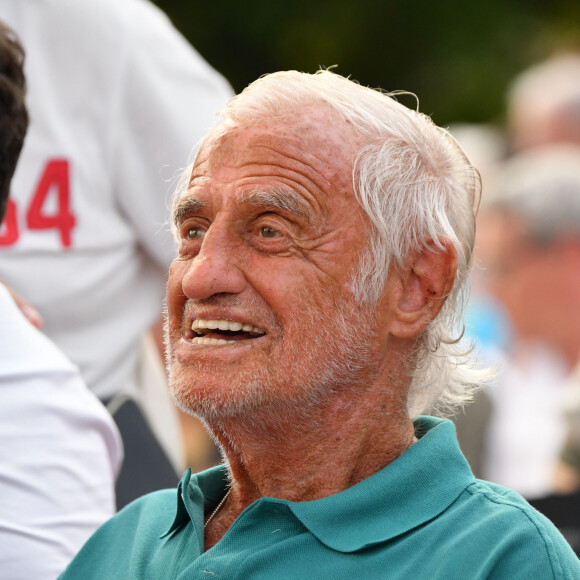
(417, 187)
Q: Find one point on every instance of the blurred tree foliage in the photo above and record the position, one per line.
(458, 56)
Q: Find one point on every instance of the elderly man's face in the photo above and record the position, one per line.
(260, 310)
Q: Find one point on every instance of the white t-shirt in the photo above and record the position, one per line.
(526, 431)
(117, 100)
(59, 453)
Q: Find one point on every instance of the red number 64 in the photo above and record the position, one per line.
(55, 178)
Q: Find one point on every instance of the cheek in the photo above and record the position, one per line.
(290, 292)
(277, 281)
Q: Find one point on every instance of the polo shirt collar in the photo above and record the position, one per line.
(204, 489)
(413, 489)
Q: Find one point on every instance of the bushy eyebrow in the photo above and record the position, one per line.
(287, 200)
(185, 207)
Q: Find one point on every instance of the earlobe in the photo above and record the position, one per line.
(422, 288)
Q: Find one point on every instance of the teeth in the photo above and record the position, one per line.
(199, 323)
(204, 340)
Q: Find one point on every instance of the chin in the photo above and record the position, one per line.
(202, 393)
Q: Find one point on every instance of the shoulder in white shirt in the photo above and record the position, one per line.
(59, 450)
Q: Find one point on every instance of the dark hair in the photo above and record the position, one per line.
(13, 114)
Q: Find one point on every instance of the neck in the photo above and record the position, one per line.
(350, 439)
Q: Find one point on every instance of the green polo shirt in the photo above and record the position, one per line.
(423, 516)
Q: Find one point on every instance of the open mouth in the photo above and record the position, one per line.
(223, 331)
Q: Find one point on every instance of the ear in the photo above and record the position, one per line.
(421, 288)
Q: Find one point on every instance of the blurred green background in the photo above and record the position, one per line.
(457, 56)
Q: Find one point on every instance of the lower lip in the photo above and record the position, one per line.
(219, 339)
(213, 342)
(186, 348)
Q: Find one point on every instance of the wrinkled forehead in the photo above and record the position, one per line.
(316, 136)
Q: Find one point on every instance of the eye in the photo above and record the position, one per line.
(267, 232)
(195, 233)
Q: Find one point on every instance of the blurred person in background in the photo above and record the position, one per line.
(544, 103)
(116, 98)
(543, 108)
(531, 264)
(59, 448)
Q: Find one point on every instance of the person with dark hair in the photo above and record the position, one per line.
(59, 448)
(325, 237)
(14, 118)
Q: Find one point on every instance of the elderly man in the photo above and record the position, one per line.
(324, 232)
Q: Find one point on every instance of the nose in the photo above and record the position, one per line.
(215, 270)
